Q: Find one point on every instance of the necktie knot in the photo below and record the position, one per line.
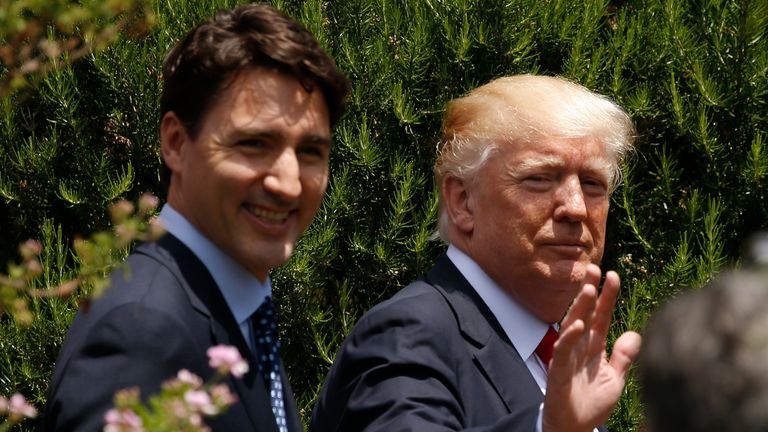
(547, 346)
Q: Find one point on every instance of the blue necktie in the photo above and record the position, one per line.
(268, 357)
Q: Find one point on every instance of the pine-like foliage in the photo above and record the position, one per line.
(692, 75)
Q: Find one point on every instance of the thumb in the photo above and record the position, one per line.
(625, 350)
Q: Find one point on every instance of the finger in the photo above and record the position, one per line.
(582, 308)
(577, 309)
(625, 351)
(592, 275)
(564, 350)
(606, 303)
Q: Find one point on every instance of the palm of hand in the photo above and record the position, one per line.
(583, 386)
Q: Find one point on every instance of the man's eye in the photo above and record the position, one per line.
(538, 182)
(253, 143)
(594, 185)
(592, 181)
(313, 151)
(537, 179)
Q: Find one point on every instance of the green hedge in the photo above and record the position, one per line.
(692, 74)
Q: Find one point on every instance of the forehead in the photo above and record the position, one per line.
(576, 153)
(270, 96)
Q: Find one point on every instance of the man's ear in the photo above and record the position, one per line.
(173, 136)
(458, 203)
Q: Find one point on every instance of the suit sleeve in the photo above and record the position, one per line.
(131, 346)
(401, 370)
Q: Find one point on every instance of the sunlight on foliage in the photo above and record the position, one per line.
(40, 35)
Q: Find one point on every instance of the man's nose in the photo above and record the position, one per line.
(283, 179)
(570, 204)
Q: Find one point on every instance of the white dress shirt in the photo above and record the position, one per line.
(242, 291)
(524, 330)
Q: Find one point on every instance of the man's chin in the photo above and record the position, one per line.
(260, 259)
(568, 273)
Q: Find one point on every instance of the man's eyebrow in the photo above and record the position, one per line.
(598, 164)
(247, 134)
(594, 164)
(540, 161)
(318, 139)
(254, 134)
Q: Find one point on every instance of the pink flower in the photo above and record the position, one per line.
(121, 210)
(222, 396)
(148, 202)
(30, 249)
(227, 359)
(188, 377)
(122, 420)
(196, 420)
(19, 408)
(179, 410)
(200, 401)
(34, 268)
(156, 228)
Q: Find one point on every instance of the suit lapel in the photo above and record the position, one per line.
(508, 374)
(207, 299)
(487, 343)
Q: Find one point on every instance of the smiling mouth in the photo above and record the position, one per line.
(272, 216)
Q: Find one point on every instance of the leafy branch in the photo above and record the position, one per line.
(37, 36)
(97, 256)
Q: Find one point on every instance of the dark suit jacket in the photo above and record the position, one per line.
(160, 315)
(431, 358)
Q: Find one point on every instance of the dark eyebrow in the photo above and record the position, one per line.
(255, 134)
(276, 135)
(318, 140)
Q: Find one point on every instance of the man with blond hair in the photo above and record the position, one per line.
(526, 168)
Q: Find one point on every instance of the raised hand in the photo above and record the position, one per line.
(583, 386)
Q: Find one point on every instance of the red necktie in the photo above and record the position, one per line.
(547, 346)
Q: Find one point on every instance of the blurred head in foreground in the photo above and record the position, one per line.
(704, 362)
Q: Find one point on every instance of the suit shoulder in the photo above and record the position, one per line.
(418, 298)
(140, 279)
(149, 275)
(142, 291)
(417, 311)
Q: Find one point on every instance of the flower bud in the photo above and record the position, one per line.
(30, 249)
(121, 210)
(147, 202)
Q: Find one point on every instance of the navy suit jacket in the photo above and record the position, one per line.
(161, 314)
(431, 358)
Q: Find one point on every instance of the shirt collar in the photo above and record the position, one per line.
(523, 329)
(242, 291)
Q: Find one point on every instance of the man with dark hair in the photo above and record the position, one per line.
(247, 108)
(704, 364)
(526, 167)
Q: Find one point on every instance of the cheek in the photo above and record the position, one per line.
(531, 218)
(599, 219)
(314, 185)
(598, 213)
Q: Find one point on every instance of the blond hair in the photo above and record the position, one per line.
(524, 108)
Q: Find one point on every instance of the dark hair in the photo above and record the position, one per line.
(208, 58)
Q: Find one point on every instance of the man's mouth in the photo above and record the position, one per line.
(270, 215)
(569, 247)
